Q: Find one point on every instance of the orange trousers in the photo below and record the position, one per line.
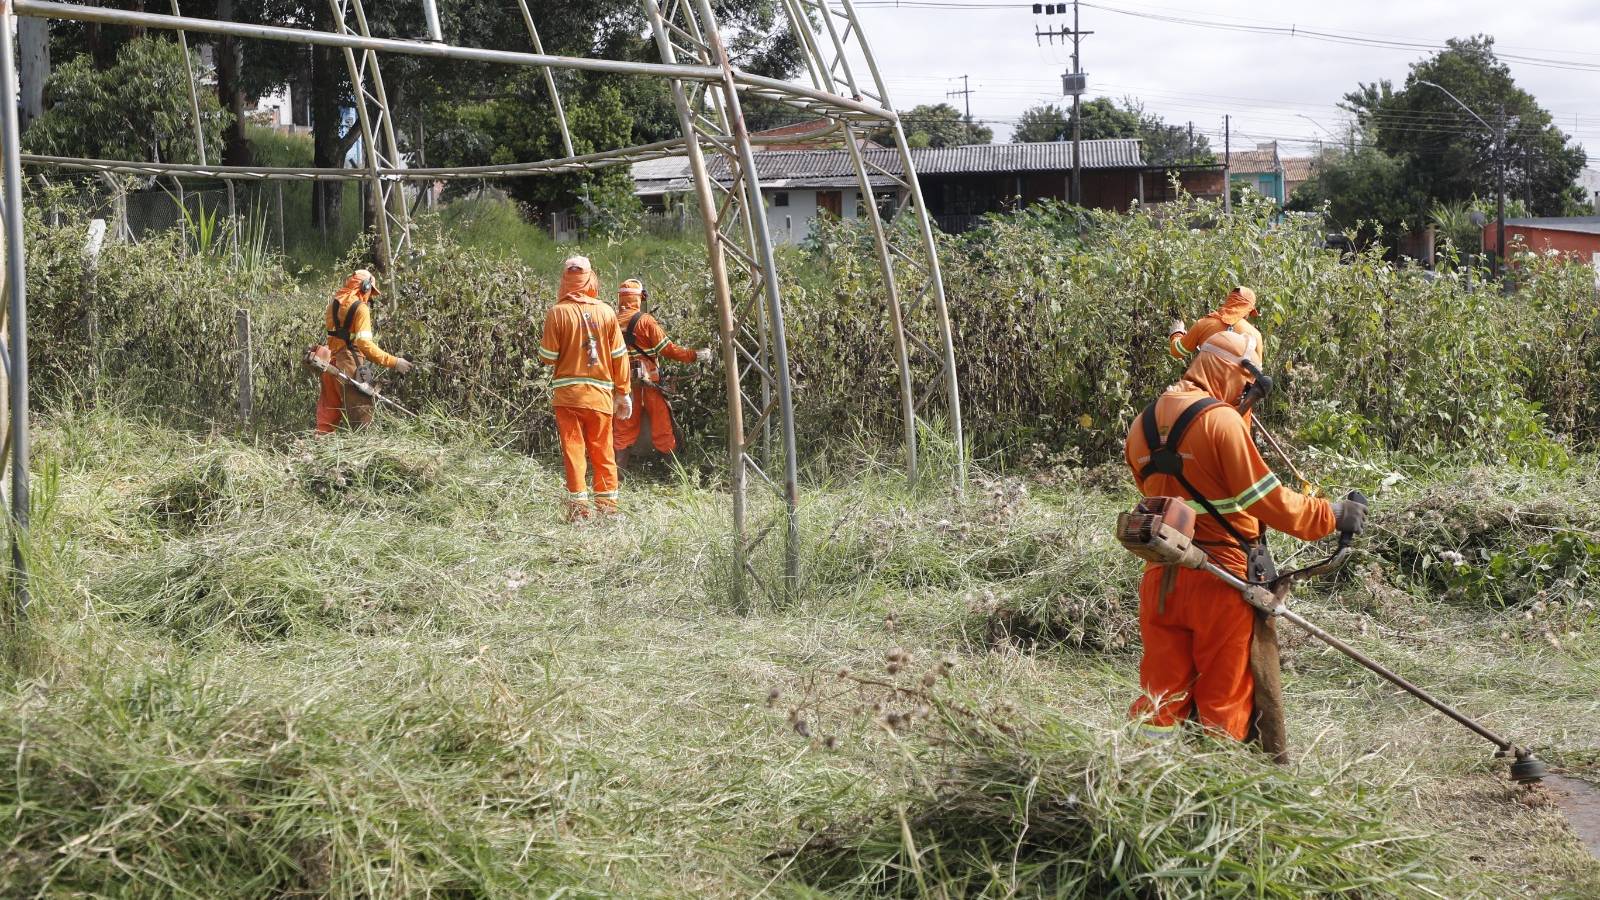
(586, 440)
(338, 400)
(652, 403)
(1196, 655)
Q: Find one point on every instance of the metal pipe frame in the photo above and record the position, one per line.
(833, 71)
(17, 345)
(370, 152)
(707, 91)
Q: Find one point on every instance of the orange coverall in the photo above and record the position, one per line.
(650, 342)
(1197, 638)
(583, 341)
(1235, 313)
(338, 400)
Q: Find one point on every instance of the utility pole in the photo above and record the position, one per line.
(1227, 164)
(964, 92)
(1073, 83)
(1500, 194)
(1077, 120)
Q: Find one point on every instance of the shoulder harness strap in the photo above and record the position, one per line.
(1166, 460)
(627, 334)
(341, 330)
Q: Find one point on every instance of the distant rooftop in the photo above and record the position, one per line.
(1580, 224)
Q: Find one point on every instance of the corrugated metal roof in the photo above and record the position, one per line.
(1579, 224)
(1052, 156)
(823, 168)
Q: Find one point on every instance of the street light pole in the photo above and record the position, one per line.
(1500, 172)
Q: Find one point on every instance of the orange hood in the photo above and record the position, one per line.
(352, 286)
(629, 293)
(1216, 367)
(577, 277)
(1241, 304)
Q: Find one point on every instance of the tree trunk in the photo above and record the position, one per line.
(230, 92)
(33, 44)
(327, 151)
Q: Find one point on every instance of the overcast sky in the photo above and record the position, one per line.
(1268, 82)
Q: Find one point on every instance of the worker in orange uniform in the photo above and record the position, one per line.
(647, 343)
(1196, 629)
(349, 323)
(583, 341)
(1234, 314)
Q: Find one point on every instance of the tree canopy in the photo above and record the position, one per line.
(937, 125)
(1420, 149)
(1104, 118)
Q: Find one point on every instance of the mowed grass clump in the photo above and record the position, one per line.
(1057, 809)
(1497, 537)
(389, 779)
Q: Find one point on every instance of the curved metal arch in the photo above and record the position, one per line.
(833, 70)
(707, 95)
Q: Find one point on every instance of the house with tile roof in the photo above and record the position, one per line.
(1260, 170)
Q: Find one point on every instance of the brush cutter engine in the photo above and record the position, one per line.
(1161, 530)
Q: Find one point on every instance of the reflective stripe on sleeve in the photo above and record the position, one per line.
(618, 352)
(548, 354)
(364, 335)
(658, 348)
(1248, 498)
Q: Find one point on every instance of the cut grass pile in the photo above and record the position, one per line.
(378, 665)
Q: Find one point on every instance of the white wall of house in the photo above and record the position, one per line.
(791, 223)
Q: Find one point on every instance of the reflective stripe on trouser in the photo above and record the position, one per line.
(586, 440)
(1196, 653)
(652, 404)
(338, 400)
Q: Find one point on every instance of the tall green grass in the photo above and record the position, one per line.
(380, 665)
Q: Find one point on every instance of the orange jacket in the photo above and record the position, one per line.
(584, 342)
(360, 323)
(1222, 462)
(1235, 313)
(651, 341)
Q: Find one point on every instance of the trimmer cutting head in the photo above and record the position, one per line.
(1528, 768)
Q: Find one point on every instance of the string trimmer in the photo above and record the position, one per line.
(365, 388)
(1161, 530)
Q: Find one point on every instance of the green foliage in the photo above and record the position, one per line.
(1422, 148)
(137, 108)
(937, 125)
(1366, 194)
(1059, 337)
(1103, 118)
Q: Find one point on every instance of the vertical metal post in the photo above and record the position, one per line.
(247, 387)
(194, 94)
(431, 11)
(737, 473)
(16, 268)
(549, 80)
(757, 219)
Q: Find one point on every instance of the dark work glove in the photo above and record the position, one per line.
(1350, 516)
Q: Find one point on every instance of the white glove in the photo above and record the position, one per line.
(624, 409)
(703, 355)
(1177, 327)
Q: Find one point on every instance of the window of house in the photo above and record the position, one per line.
(780, 198)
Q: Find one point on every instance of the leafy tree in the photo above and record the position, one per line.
(1447, 154)
(136, 108)
(1366, 193)
(937, 125)
(1104, 118)
(1043, 123)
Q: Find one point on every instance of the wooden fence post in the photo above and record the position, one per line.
(246, 361)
